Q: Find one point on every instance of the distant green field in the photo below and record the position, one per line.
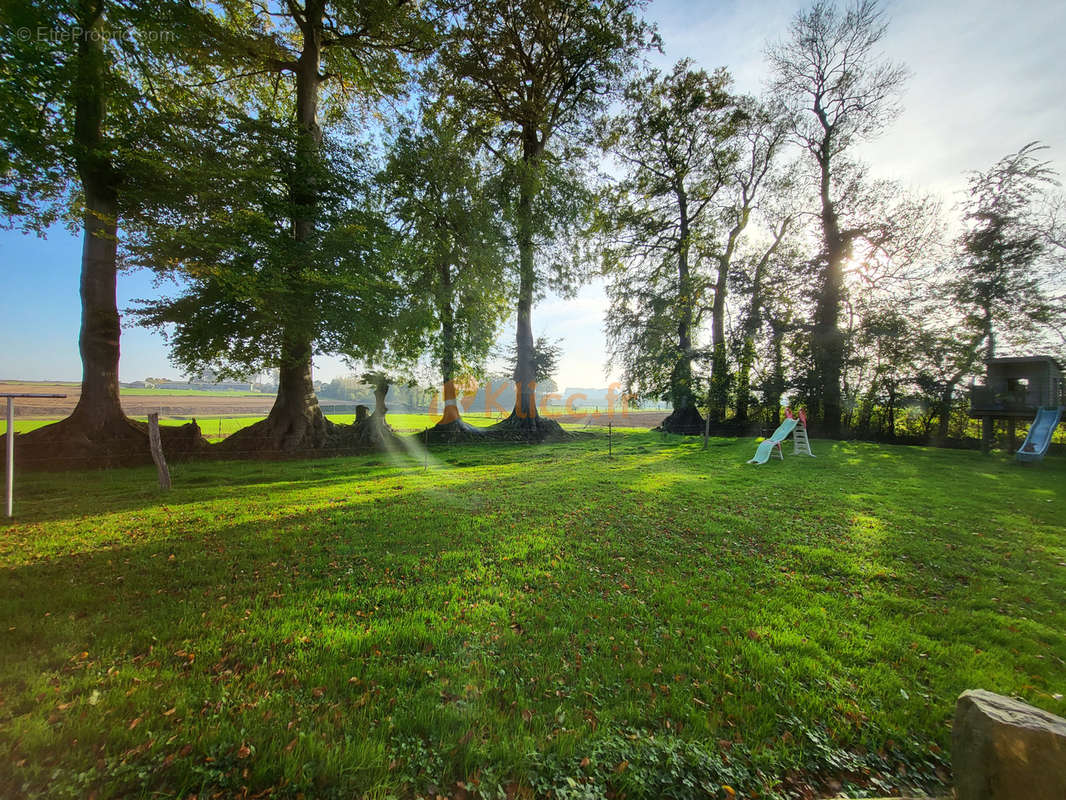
(60, 386)
(524, 620)
(220, 427)
(192, 393)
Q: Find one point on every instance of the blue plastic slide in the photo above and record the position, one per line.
(1039, 436)
(762, 453)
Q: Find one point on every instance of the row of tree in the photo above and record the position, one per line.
(843, 291)
(237, 148)
(390, 181)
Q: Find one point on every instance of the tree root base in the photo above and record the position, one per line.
(527, 429)
(372, 434)
(453, 432)
(687, 421)
(120, 441)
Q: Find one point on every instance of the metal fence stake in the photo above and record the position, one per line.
(11, 444)
(10, 455)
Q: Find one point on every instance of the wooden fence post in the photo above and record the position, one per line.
(157, 451)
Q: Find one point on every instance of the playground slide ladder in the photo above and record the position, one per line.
(801, 445)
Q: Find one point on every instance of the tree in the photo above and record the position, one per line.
(249, 286)
(888, 341)
(761, 134)
(829, 73)
(281, 68)
(440, 190)
(80, 97)
(533, 73)
(771, 262)
(546, 355)
(675, 138)
(1008, 260)
(1004, 286)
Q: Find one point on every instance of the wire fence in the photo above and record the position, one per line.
(408, 436)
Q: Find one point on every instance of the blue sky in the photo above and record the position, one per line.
(987, 78)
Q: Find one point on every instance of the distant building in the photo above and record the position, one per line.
(208, 383)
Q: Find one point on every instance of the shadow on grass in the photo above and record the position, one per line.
(392, 631)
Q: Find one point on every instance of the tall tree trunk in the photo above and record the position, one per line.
(524, 377)
(99, 404)
(719, 359)
(719, 394)
(451, 413)
(97, 433)
(944, 410)
(296, 421)
(752, 322)
(524, 420)
(866, 406)
(685, 417)
(948, 394)
(828, 340)
(776, 383)
(891, 410)
(98, 340)
(744, 365)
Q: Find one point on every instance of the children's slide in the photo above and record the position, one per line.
(766, 446)
(1039, 437)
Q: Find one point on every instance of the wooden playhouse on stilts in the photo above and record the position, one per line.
(1025, 388)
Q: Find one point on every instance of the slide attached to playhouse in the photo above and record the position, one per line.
(1039, 437)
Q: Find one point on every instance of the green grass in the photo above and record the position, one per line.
(524, 620)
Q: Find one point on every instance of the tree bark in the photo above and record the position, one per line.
(746, 361)
(944, 411)
(777, 380)
(524, 420)
(98, 341)
(719, 395)
(752, 322)
(447, 333)
(828, 341)
(97, 433)
(296, 421)
(685, 417)
(891, 410)
(524, 377)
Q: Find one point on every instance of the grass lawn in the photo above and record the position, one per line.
(521, 620)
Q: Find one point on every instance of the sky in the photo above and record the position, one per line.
(987, 78)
